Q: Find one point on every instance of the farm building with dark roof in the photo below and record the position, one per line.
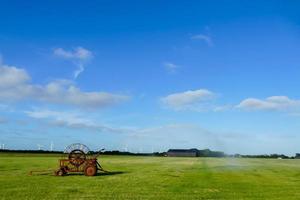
(182, 152)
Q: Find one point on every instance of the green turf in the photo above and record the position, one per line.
(153, 178)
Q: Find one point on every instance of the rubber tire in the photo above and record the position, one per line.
(60, 172)
(90, 170)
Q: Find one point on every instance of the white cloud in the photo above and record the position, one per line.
(204, 38)
(66, 93)
(79, 53)
(15, 86)
(71, 120)
(188, 100)
(222, 108)
(11, 76)
(171, 67)
(273, 103)
(62, 53)
(79, 56)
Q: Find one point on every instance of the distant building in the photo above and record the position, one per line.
(297, 155)
(194, 153)
(182, 152)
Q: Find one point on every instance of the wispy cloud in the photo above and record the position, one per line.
(79, 56)
(171, 67)
(7, 108)
(71, 120)
(207, 39)
(188, 100)
(15, 86)
(273, 103)
(222, 108)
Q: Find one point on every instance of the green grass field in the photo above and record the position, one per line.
(153, 178)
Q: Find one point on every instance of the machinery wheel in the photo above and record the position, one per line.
(60, 172)
(90, 170)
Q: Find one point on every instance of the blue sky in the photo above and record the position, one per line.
(151, 75)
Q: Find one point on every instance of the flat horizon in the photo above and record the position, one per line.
(151, 75)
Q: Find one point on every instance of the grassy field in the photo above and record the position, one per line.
(153, 178)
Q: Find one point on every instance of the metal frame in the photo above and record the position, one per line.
(79, 161)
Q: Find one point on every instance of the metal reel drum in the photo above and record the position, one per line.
(77, 153)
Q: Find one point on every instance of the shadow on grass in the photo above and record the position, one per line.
(52, 172)
(98, 174)
(110, 173)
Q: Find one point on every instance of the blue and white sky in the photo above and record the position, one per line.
(151, 75)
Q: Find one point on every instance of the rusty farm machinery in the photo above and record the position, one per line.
(77, 158)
